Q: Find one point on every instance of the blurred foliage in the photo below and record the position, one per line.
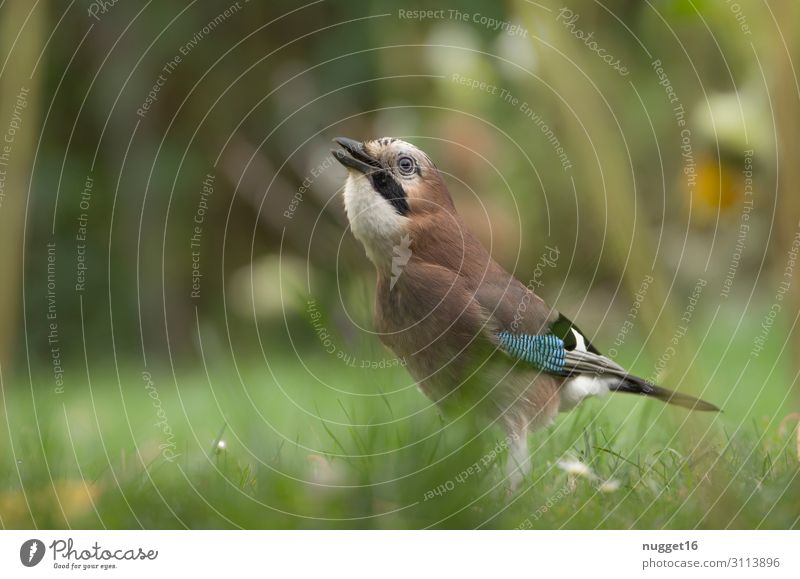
(256, 99)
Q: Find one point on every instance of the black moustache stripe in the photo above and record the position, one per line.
(390, 190)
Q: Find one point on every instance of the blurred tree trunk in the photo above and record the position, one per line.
(783, 88)
(19, 123)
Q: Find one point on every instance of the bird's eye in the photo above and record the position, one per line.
(406, 165)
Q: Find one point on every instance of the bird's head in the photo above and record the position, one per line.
(390, 185)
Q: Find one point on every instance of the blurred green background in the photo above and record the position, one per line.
(185, 320)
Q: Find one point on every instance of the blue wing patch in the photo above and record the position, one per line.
(545, 352)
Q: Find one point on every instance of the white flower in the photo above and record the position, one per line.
(574, 467)
(609, 486)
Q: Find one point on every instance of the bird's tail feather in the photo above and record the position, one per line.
(636, 385)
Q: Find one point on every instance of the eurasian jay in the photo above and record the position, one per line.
(471, 334)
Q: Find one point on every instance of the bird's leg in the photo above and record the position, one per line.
(518, 465)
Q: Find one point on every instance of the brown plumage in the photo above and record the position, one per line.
(441, 301)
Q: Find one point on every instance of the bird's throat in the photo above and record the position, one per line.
(374, 221)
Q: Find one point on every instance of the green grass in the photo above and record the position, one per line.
(92, 458)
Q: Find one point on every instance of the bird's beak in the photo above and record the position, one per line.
(354, 156)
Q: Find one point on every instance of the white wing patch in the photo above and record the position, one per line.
(581, 342)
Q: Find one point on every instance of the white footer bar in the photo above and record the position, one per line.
(401, 554)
